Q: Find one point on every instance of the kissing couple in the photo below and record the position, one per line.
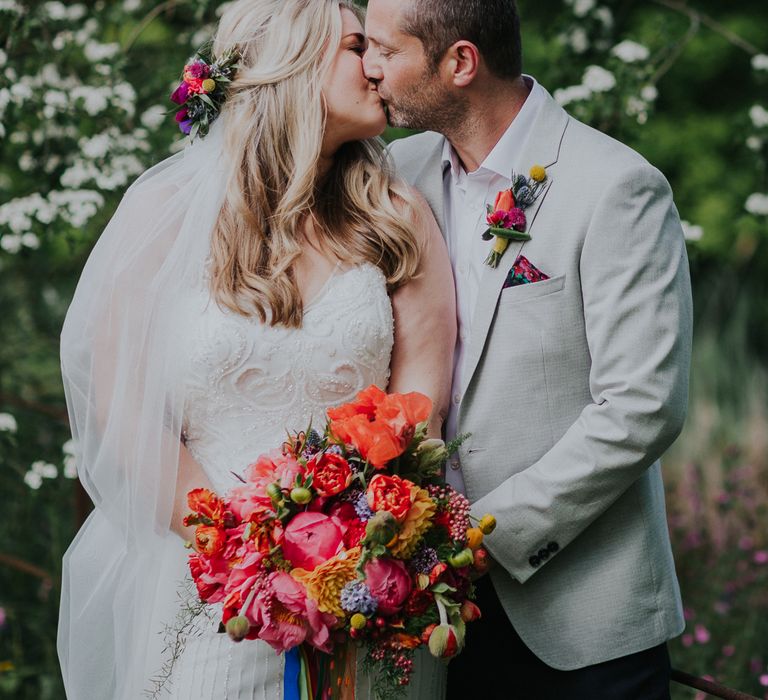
(524, 271)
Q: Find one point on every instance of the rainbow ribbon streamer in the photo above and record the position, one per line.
(302, 679)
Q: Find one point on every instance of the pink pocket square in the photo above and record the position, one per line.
(523, 272)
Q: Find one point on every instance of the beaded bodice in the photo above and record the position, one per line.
(250, 382)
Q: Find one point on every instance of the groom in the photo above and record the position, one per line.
(572, 361)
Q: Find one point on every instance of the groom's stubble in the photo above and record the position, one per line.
(428, 105)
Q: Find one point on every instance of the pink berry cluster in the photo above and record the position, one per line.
(457, 507)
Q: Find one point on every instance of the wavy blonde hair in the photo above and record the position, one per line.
(275, 126)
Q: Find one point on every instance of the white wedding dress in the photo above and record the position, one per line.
(249, 383)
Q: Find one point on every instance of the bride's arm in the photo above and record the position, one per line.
(190, 476)
(425, 323)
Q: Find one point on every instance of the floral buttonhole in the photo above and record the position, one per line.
(506, 218)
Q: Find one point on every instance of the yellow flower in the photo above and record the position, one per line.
(358, 621)
(474, 538)
(487, 524)
(209, 84)
(538, 173)
(416, 523)
(324, 584)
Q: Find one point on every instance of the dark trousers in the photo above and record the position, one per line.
(496, 664)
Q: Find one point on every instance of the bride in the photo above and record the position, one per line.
(273, 268)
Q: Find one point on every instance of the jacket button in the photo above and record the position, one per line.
(534, 561)
(543, 554)
(553, 547)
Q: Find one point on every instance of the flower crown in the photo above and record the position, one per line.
(203, 90)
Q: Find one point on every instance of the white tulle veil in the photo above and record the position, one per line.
(122, 350)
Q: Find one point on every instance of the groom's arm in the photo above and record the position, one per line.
(637, 312)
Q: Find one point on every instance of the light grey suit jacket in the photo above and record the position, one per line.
(574, 387)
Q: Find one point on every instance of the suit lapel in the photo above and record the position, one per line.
(541, 148)
(429, 182)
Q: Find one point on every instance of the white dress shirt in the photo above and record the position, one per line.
(465, 198)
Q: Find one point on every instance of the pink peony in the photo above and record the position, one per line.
(245, 572)
(251, 498)
(389, 583)
(311, 539)
(286, 617)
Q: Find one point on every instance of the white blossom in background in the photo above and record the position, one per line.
(598, 79)
(8, 423)
(96, 52)
(3, 58)
(760, 62)
(11, 6)
(574, 93)
(757, 204)
(630, 51)
(638, 108)
(11, 243)
(51, 297)
(649, 93)
(70, 459)
(576, 39)
(30, 240)
(759, 116)
(582, 7)
(154, 117)
(605, 15)
(45, 469)
(692, 232)
(33, 480)
(58, 11)
(754, 143)
(131, 5)
(70, 467)
(202, 35)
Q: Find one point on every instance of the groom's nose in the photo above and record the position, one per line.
(372, 65)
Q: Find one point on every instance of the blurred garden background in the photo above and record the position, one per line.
(84, 109)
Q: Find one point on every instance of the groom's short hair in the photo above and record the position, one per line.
(492, 25)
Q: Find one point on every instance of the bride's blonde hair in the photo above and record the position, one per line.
(275, 118)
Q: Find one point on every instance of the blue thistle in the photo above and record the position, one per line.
(362, 508)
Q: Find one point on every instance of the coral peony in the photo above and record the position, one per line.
(209, 540)
(390, 493)
(330, 473)
(206, 504)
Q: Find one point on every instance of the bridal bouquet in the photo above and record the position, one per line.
(344, 540)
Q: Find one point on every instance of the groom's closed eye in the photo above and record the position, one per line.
(382, 49)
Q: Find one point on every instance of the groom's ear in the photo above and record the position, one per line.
(461, 63)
